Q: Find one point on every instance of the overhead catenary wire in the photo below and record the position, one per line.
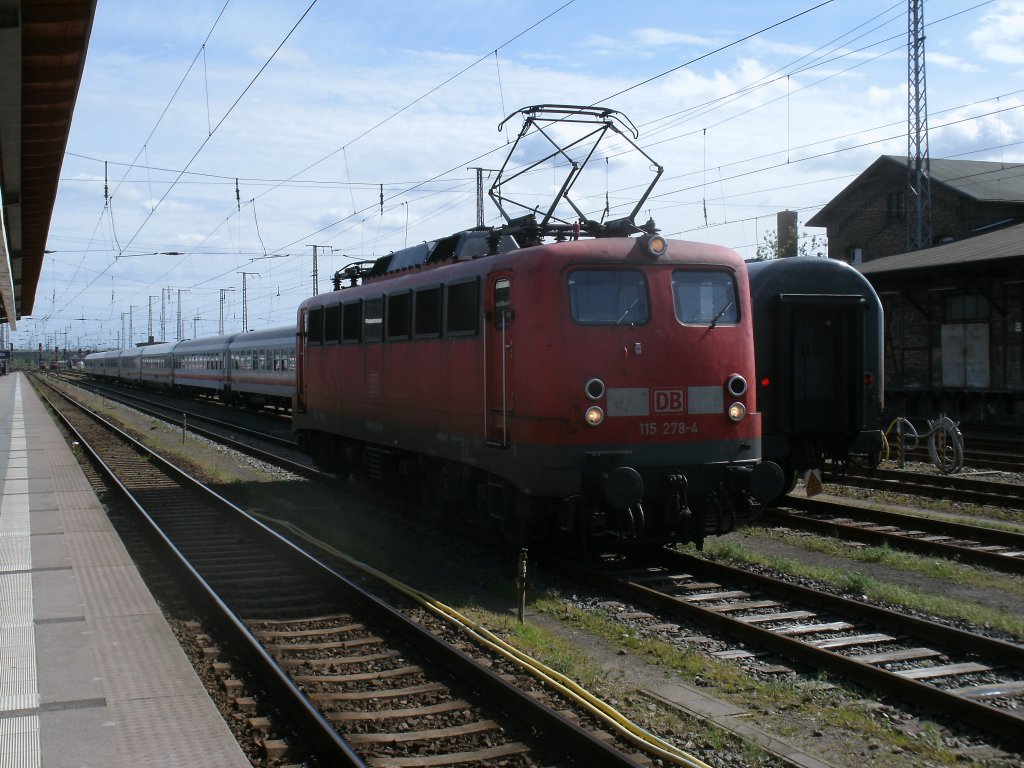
(224, 117)
(460, 164)
(367, 131)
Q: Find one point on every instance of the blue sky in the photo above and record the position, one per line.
(408, 95)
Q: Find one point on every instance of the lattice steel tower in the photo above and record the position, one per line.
(919, 183)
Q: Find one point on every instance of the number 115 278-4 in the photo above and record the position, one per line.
(667, 428)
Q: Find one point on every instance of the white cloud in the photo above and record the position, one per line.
(952, 62)
(654, 36)
(721, 128)
(999, 35)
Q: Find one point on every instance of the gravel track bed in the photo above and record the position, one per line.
(282, 494)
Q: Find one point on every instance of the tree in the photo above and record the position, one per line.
(817, 246)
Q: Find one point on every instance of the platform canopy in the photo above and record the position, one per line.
(42, 55)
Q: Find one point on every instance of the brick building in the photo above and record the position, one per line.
(953, 338)
(868, 219)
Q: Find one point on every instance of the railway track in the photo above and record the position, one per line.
(969, 490)
(272, 428)
(365, 683)
(974, 680)
(285, 452)
(916, 666)
(988, 547)
(976, 456)
(985, 446)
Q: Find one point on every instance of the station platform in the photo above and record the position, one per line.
(90, 672)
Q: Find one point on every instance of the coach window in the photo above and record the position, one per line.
(462, 309)
(373, 319)
(608, 297)
(315, 332)
(705, 298)
(399, 315)
(332, 324)
(351, 321)
(427, 313)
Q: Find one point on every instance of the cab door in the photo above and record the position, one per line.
(498, 315)
(300, 363)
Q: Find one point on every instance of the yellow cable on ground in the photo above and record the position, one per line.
(600, 709)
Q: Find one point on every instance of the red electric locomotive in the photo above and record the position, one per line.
(591, 389)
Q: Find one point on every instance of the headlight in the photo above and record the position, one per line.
(594, 389)
(657, 245)
(736, 385)
(737, 411)
(594, 415)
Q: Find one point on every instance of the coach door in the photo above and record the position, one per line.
(498, 316)
(827, 366)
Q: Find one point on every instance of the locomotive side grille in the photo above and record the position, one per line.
(373, 459)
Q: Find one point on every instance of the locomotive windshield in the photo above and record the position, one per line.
(608, 297)
(705, 298)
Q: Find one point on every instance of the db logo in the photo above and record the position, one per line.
(668, 400)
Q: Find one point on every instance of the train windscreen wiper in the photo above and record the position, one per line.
(718, 317)
(628, 310)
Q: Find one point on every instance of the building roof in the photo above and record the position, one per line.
(43, 45)
(1005, 243)
(981, 180)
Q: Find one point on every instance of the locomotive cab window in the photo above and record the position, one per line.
(502, 303)
(315, 332)
(705, 298)
(608, 297)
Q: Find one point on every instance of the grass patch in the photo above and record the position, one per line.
(882, 591)
(775, 702)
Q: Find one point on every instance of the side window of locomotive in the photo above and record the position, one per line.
(399, 315)
(705, 298)
(427, 313)
(502, 303)
(351, 321)
(462, 309)
(608, 297)
(373, 319)
(315, 334)
(332, 324)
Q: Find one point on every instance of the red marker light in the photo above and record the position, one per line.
(766, 382)
(869, 379)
